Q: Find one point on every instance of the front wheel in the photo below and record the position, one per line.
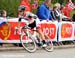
(49, 43)
(28, 42)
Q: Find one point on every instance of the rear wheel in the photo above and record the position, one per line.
(28, 42)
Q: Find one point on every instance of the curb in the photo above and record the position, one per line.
(64, 46)
(21, 48)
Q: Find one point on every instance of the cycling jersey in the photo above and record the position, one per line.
(35, 20)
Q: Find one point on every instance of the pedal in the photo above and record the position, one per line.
(39, 44)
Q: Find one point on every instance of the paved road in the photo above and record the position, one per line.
(58, 53)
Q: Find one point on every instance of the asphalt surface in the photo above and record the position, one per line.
(60, 53)
(11, 47)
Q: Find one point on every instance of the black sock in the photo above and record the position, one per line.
(43, 41)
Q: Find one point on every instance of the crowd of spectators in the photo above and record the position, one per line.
(46, 12)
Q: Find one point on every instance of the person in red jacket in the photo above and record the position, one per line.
(68, 8)
(66, 11)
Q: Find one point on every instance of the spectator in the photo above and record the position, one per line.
(60, 14)
(66, 11)
(44, 12)
(3, 16)
(3, 13)
(55, 14)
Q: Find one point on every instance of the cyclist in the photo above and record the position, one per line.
(31, 21)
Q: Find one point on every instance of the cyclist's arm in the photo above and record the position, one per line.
(19, 22)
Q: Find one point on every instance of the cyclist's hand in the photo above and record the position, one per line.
(53, 20)
(47, 20)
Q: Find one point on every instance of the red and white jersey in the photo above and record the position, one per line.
(27, 20)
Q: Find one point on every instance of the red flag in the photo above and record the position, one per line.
(68, 8)
(70, 5)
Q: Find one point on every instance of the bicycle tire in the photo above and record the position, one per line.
(32, 43)
(49, 43)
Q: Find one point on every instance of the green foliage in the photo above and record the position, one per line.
(10, 6)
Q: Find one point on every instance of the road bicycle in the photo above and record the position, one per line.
(29, 39)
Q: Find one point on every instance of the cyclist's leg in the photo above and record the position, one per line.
(42, 36)
(34, 24)
(40, 32)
